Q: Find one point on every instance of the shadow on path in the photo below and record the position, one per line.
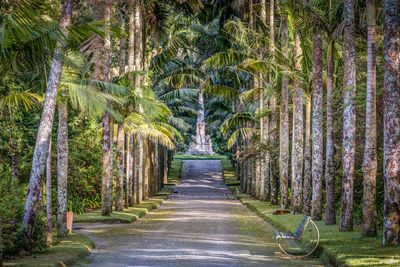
(200, 225)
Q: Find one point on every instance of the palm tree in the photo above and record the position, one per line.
(370, 163)
(317, 128)
(349, 118)
(391, 213)
(62, 168)
(298, 133)
(46, 122)
(284, 124)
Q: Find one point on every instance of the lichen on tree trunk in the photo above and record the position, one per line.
(298, 132)
(370, 163)
(391, 213)
(62, 169)
(349, 118)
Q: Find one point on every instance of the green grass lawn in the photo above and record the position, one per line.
(69, 251)
(340, 248)
(197, 157)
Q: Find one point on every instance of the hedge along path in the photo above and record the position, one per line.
(199, 225)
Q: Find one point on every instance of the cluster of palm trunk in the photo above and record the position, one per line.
(265, 167)
(142, 162)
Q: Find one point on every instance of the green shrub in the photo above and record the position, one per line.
(12, 239)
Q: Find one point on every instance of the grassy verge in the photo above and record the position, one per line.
(197, 157)
(69, 251)
(175, 171)
(128, 215)
(340, 248)
(229, 173)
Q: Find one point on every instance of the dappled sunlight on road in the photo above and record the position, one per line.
(200, 225)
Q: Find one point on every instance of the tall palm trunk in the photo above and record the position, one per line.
(46, 124)
(349, 118)
(317, 128)
(284, 125)
(391, 213)
(146, 180)
(119, 188)
(156, 167)
(274, 116)
(307, 160)
(330, 213)
(165, 165)
(49, 211)
(370, 163)
(129, 169)
(138, 67)
(298, 132)
(62, 169)
(111, 181)
(106, 139)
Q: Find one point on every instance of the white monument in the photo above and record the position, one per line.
(202, 143)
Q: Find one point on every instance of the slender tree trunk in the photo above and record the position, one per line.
(129, 172)
(165, 178)
(330, 214)
(62, 169)
(146, 180)
(370, 163)
(135, 172)
(46, 124)
(391, 213)
(298, 132)
(349, 118)
(111, 181)
(122, 40)
(49, 210)
(156, 167)
(274, 116)
(307, 160)
(106, 140)
(317, 128)
(119, 189)
(284, 126)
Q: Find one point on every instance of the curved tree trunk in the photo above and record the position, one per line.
(317, 128)
(391, 213)
(46, 124)
(298, 132)
(330, 213)
(349, 118)
(370, 163)
(62, 169)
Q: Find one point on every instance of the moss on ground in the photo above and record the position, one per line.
(340, 248)
(73, 248)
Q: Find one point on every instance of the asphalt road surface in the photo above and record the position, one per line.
(202, 224)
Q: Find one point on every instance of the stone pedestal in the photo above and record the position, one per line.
(202, 144)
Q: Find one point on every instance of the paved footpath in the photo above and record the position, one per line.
(200, 225)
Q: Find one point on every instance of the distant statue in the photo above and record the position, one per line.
(202, 144)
